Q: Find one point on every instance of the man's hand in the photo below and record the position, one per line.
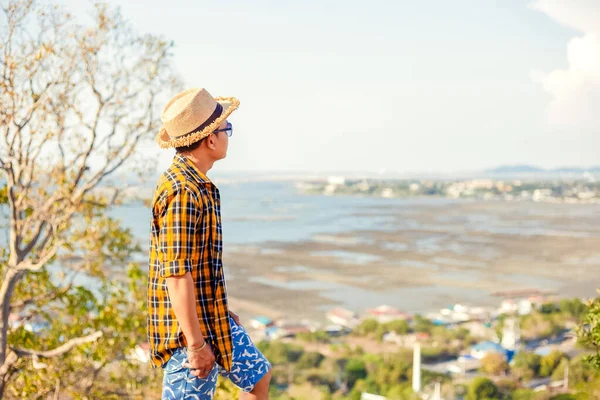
(235, 317)
(201, 362)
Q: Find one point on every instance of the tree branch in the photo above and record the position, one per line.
(29, 265)
(60, 350)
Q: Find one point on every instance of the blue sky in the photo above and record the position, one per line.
(396, 86)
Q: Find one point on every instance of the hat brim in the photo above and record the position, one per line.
(230, 104)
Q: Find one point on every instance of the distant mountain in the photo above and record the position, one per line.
(530, 169)
(515, 169)
(577, 170)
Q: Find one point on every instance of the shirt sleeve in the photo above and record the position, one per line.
(178, 248)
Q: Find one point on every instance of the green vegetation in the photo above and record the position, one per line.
(352, 371)
(390, 374)
(589, 330)
(552, 319)
(494, 364)
(375, 330)
(483, 389)
(526, 365)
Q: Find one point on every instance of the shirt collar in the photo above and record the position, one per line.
(189, 166)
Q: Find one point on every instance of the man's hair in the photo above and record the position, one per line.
(193, 146)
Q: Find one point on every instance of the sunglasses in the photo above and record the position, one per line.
(229, 129)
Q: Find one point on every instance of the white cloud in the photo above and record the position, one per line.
(575, 90)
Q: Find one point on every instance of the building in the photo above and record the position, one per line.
(336, 180)
(261, 323)
(480, 329)
(387, 193)
(511, 334)
(341, 316)
(463, 365)
(456, 314)
(385, 313)
(521, 307)
(542, 195)
(481, 349)
(414, 187)
(330, 190)
(291, 330)
(336, 330)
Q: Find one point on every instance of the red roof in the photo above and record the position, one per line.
(342, 312)
(387, 310)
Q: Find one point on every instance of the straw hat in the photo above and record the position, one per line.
(191, 116)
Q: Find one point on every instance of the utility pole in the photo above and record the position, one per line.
(437, 393)
(416, 381)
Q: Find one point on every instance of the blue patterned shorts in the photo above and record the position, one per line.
(249, 366)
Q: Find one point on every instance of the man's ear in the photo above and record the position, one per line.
(210, 142)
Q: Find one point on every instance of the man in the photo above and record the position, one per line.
(193, 336)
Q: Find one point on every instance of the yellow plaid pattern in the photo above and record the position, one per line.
(187, 237)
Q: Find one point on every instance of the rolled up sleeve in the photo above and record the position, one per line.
(178, 241)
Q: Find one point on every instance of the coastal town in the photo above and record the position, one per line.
(459, 343)
(582, 190)
(525, 345)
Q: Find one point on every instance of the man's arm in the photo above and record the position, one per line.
(183, 300)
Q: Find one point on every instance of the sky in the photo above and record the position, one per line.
(390, 86)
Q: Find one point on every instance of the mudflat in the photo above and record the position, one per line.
(426, 257)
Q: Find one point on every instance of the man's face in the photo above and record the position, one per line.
(221, 142)
(217, 143)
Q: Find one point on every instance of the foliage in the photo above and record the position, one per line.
(355, 369)
(482, 389)
(548, 308)
(526, 365)
(589, 331)
(280, 353)
(580, 371)
(564, 396)
(422, 324)
(538, 325)
(316, 337)
(76, 101)
(524, 394)
(399, 326)
(572, 307)
(438, 353)
(549, 363)
(494, 363)
(310, 360)
(366, 327)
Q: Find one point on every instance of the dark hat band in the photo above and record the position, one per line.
(216, 114)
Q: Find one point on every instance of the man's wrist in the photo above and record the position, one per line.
(196, 343)
(195, 348)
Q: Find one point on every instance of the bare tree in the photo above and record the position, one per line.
(76, 101)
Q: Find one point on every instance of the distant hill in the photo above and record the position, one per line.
(515, 169)
(530, 169)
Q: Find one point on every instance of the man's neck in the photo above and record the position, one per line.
(203, 164)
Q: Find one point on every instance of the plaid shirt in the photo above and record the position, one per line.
(187, 237)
